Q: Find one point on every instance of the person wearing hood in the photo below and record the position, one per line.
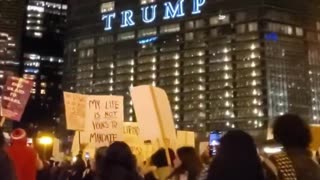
(25, 159)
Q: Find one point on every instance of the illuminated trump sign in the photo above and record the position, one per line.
(148, 13)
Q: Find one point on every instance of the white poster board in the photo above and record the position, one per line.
(154, 115)
(104, 121)
(185, 138)
(75, 108)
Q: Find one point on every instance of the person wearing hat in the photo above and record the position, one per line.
(24, 158)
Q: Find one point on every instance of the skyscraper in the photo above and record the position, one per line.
(43, 58)
(11, 20)
(224, 64)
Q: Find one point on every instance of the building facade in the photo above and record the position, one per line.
(43, 43)
(11, 20)
(224, 64)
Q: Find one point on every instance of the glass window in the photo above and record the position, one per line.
(253, 27)
(200, 23)
(170, 28)
(214, 32)
(318, 25)
(189, 36)
(147, 1)
(90, 52)
(86, 43)
(299, 31)
(219, 20)
(82, 54)
(107, 7)
(241, 28)
(241, 16)
(189, 25)
(281, 28)
(126, 36)
(147, 32)
(105, 39)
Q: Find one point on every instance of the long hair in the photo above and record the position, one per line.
(159, 158)
(190, 163)
(99, 160)
(119, 163)
(237, 158)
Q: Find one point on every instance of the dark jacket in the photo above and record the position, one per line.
(6, 167)
(306, 168)
(296, 163)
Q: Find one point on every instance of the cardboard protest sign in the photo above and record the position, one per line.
(315, 132)
(15, 96)
(203, 147)
(154, 116)
(131, 132)
(75, 108)
(104, 120)
(185, 138)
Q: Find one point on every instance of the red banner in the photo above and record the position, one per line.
(15, 96)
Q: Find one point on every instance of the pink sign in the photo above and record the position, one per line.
(15, 96)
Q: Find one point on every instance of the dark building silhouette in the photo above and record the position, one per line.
(42, 58)
(236, 64)
(11, 20)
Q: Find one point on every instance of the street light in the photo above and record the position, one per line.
(45, 141)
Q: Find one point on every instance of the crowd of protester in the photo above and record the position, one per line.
(237, 158)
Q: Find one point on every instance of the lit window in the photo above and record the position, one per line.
(289, 30)
(126, 36)
(43, 91)
(170, 28)
(253, 27)
(147, 32)
(241, 28)
(254, 83)
(299, 31)
(147, 1)
(189, 25)
(220, 19)
(189, 36)
(107, 7)
(253, 47)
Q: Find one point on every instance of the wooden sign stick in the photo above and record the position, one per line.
(3, 119)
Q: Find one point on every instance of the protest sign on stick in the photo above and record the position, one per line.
(104, 120)
(131, 132)
(75, 108)
(154, 116)
(15, 96)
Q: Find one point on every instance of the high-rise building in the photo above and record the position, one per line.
(224, 64)
(11, 20)
(43, 42)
